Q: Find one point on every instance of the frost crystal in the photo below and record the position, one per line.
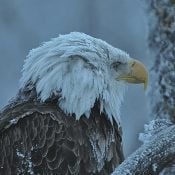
(13, 121)
(153, 128)
(154, 166)
(100, 148)
(19, 154)
(25, 158)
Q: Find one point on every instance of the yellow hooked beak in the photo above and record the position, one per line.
(137, 73)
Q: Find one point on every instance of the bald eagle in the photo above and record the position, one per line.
(65, 118)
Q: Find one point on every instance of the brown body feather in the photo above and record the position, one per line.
(38, 138)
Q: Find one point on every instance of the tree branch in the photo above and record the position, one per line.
(152, 156)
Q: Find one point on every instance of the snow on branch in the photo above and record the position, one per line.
(156, 152)
(153, 128)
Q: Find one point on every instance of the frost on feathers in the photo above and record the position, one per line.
(100, 148)
(26, 162)
(76, 63)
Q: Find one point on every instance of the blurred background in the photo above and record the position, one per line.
(26, 24)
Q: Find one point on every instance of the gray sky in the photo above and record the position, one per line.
(26, 24)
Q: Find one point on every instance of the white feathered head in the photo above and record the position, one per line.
(83, 69)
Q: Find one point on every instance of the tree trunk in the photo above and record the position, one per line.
(162, 44)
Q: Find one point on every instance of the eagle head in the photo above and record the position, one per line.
(82, 69)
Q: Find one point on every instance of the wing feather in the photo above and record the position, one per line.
(38, 138)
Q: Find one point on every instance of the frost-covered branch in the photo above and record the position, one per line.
(156, 152)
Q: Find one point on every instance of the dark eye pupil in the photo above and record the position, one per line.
(116, 64)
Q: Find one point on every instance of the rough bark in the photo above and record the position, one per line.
(152, 156)
(161, 43)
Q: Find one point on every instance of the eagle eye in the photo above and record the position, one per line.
(116, 64)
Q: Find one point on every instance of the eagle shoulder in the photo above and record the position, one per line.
(38, 138)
